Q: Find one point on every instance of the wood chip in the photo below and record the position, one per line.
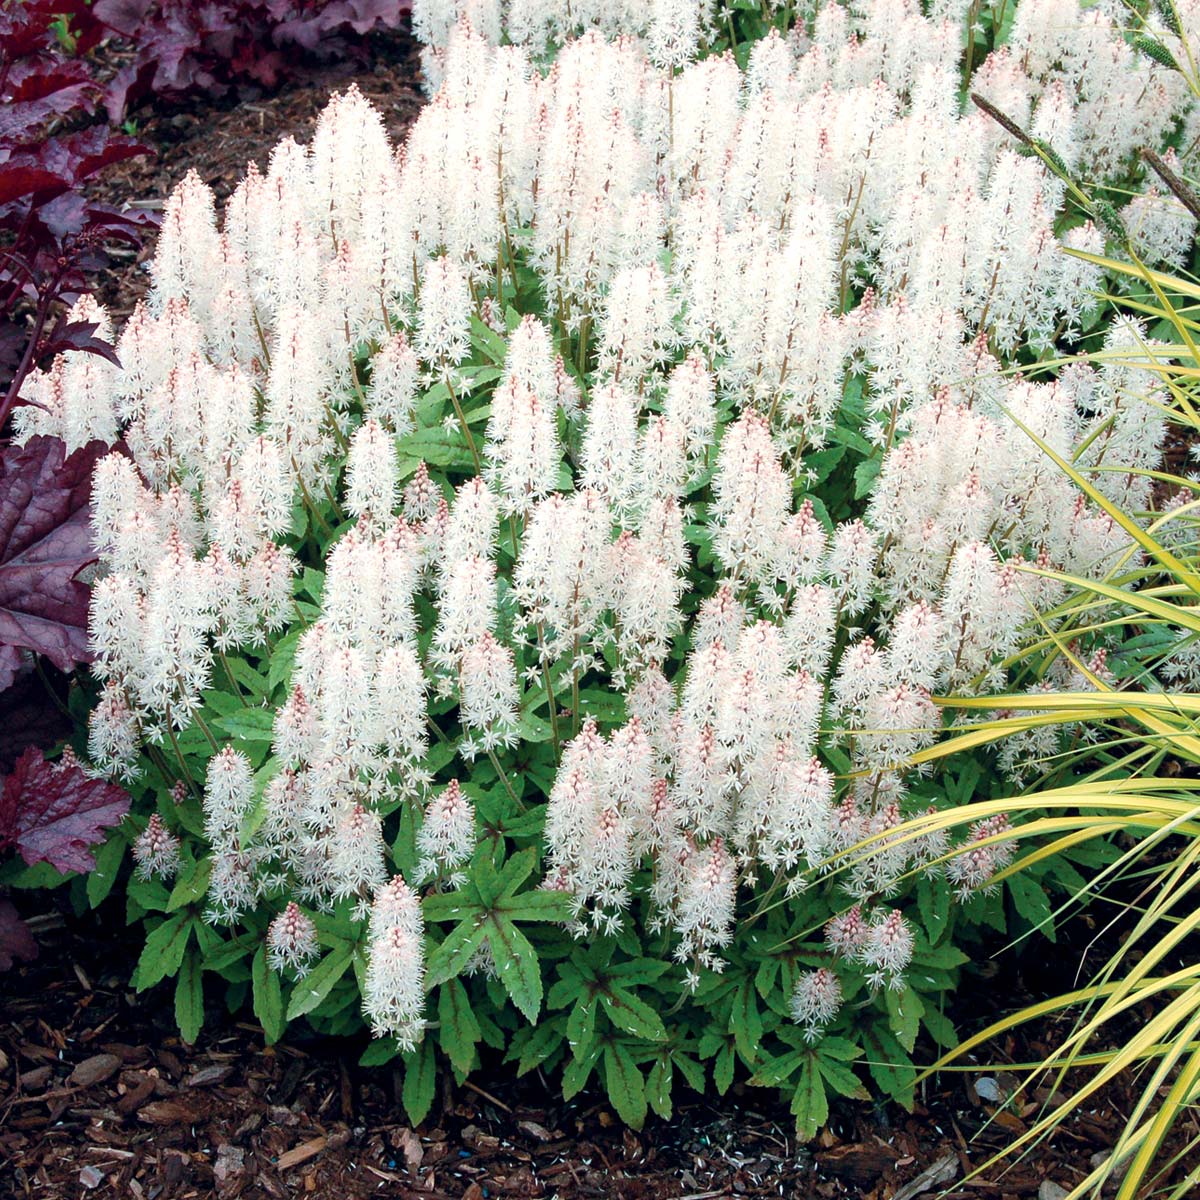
(140, 1090)
(207, 1076)
(410, 1146)
(538, 1132)
(862, 1163)
(94, 1070)
(302, 1153)
(167, 1112)
(942, 1171)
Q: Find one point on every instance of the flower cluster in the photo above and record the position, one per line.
(545, 397)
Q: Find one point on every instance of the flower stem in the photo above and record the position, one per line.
(462, 420)
(504, 779)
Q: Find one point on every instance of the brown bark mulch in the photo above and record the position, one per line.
(99, 1098)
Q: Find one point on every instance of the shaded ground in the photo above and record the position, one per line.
(98, 1097)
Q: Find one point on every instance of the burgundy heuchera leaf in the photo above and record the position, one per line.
(53, 812)
(45, 542)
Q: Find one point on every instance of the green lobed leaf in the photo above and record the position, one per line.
(841, 1078)
(840, 1048)
(103, 875)
(632, 1015)
(810, 1105)
(765, 976)
(450, 906)
(436, 448)
(452, 956)
(458, 1030)
(516, 869)
(933, 902)
(940, 1028)
(536, 905)
(189, 998)
(542, 1041)
(517, 964)
(745, 1021)
(723, 1068)
(889, 1064)
(318, 983)
(163, 953)
(624, 1084)
(581, 1026)
(1030, 900)
(249, 724)
(659, 1081)
(865, 475)
(905, 1010)
(149, 895)
(224, 954)
(579, 1070)
(691, 1069)
(255, 683)
(191, 885)
(268, 997)
(283, 657)
(778, 1070)
(638, 970)
(420, 1081)
(380, 1051)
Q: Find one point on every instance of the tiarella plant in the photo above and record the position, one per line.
(533, 551)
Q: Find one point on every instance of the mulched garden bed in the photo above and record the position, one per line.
(98, 1097)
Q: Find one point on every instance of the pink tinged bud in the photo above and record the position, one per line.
(887, 949)
(156, 851)
(228, 794)
(447, 837)
(291, 940)
(846, 932)
(816, 1000)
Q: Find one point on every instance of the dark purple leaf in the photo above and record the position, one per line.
(33, 78)
(77, 335)
(12, 345)
(25, 27)
(302, 31)
(123, 16)
(60, 164)
(367, 14)
(23, 179)
(53, 812)
(64, 216)
(183, 46)
(10, 663)
(44, 543)
(127, 83)
(16, 942)
(94, 149)
(20, 118)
